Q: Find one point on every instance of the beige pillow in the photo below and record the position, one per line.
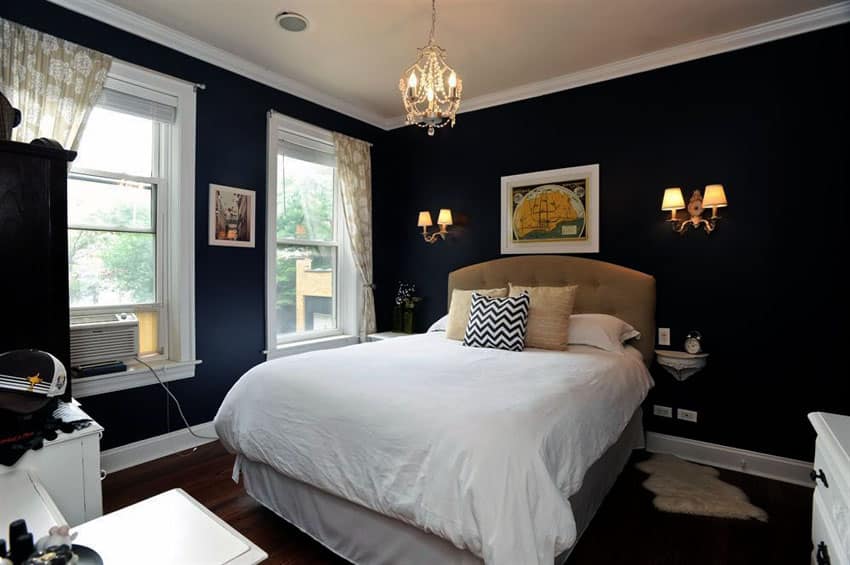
(459, 309)
(548, 315)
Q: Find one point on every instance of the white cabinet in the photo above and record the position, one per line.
(69, 469)
(831, 473)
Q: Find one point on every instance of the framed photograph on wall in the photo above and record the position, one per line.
(553, 211)
(232, 216)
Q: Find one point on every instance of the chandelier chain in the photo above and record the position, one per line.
(433, 21)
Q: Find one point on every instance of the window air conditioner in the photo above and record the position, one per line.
(103, 338)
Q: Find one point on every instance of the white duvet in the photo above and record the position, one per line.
(479, 446)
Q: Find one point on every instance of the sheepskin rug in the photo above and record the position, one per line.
(686, 488)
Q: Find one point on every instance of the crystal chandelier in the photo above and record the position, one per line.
(430, 88)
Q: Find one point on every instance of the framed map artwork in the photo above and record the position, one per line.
(553, 211)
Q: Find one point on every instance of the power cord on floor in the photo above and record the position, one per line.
(176, 402)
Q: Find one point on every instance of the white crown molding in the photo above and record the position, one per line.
(750, 462)
(762, 33)
(148, 29)
(138, 452)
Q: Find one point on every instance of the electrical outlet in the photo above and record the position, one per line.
(663, 336)
(686, 415)
(663, 411)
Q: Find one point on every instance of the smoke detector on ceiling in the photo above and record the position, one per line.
(290, 21)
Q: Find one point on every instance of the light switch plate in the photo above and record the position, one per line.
(663, 411)
(687, 415)
(663, 336)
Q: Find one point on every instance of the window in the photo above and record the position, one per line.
(114, 189)
(131, 217)
(311, 292)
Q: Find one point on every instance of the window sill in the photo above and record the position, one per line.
(311, 345)
(136, 375)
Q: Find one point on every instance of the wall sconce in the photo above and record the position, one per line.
(443, 219)
(673, 201)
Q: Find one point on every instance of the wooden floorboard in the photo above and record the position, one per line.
(627, 530)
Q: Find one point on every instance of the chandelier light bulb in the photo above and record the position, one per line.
(453, 79)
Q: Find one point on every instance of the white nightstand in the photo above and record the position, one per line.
(69, 469)
(380, 336)
(831, 476)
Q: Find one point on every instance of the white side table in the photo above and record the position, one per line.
(69, 469)
(171, 527)
(380, 336)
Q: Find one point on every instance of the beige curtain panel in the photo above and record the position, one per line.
(54, 83)
(354, 165)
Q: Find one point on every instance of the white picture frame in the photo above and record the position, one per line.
(232, 216)
(555, 211)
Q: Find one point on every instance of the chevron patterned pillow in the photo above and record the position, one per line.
(499, 323)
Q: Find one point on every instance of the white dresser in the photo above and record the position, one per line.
(69, 469)
(831, 473)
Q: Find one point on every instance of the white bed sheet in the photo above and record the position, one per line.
(479, 446)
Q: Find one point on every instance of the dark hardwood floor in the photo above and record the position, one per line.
(626, 530)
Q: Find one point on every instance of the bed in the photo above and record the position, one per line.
(418, 450)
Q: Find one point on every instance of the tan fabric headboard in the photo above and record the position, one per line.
(604, 288)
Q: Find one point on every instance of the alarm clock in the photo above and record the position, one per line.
(693, 342)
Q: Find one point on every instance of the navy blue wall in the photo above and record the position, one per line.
(770, 123)
(231, 150)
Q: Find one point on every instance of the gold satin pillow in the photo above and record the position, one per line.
(459, 309)
(548, 315)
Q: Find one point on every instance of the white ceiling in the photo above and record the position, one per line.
(355, 50)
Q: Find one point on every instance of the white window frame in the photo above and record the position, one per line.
(175, 214)
(347, 279)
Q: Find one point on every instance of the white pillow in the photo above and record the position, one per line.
(602, 331)
(439, 325)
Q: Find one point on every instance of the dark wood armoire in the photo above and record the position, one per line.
(34, 248)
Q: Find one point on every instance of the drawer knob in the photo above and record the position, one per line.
(822, 555)
(819, 475)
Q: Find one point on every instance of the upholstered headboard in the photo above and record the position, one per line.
(604, 288)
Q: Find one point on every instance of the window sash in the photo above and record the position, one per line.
(154, 183)
(335, 198)
(291, 337)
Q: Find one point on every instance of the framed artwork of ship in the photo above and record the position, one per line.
(553, 211)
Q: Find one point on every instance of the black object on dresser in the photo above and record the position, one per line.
(34, 248)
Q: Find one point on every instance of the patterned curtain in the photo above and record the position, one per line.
(54, 83)
(354, 165)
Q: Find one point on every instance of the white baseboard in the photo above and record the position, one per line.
(751, 462)
(152, 448)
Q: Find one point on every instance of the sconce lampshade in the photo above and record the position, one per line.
(673, 199)
(715, 196)
(425, 219)
(445, 217)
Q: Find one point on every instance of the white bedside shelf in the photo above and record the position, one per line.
(380, 336)
(681, 364)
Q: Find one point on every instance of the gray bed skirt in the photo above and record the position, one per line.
(365, 537)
